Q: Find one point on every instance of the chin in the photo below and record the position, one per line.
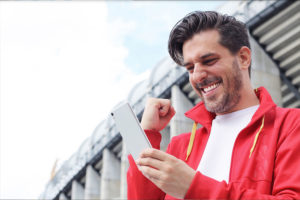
(217, 105)
(212, 108)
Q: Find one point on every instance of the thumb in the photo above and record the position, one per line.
(163, 110)
(170, 112)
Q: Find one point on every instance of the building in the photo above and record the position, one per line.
(98, 169)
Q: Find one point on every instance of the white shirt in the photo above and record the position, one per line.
(216, 159)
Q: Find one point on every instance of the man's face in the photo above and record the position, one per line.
(214, 72)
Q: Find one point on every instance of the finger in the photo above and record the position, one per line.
(164, 107)
(150, 162)
(150, 172)
(154, 153)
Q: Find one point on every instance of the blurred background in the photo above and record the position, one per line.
(66, 64)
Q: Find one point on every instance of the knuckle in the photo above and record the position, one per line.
(166, 101)
(151, 151)
(151, 100)
(169, 101)
(147, 170)
(168, 169)
(164, 178)
(147, 161)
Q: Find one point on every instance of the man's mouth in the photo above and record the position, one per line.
(209, 88)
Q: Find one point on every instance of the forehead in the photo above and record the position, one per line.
(202, 43)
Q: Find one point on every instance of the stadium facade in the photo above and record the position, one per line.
(98, 169)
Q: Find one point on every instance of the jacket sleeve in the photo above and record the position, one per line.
(286, 180)
(138, 186)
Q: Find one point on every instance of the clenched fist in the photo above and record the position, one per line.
(157, 114)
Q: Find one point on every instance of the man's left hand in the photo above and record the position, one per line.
(170, 174)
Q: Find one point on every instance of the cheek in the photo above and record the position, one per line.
(193, 78)
(192, 82)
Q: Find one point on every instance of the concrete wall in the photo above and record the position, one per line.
(264, 72)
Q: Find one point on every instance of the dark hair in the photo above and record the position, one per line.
(233, 33)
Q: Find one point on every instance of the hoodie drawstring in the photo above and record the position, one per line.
(191, 142)
(256, 136)
(193, 133)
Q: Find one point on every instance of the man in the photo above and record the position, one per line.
(247, 147)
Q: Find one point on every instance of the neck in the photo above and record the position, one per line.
(248, 98)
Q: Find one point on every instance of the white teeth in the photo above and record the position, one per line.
(211, 87)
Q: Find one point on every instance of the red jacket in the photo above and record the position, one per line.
(272, 171)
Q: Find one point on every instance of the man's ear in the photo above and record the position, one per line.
(244, 56)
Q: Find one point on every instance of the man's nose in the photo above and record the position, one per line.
(199, 73)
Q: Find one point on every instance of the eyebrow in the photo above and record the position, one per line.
(201, 58)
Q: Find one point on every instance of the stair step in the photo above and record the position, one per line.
(294, 71)
(280, 29)
(287, 38)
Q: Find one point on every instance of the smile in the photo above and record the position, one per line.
(210, 87)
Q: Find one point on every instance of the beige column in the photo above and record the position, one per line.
(77, 191)
(124, 168)
(180, 123)
(92, 184)
(110, 177)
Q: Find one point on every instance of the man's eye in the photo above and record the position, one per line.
(210, 61)
(190, 69)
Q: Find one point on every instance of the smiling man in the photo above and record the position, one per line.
(247, 147)
(218, 76)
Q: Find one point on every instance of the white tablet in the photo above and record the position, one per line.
(131, 131)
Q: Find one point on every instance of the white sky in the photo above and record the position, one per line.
(64, 65)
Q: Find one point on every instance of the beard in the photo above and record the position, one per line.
(231, 91)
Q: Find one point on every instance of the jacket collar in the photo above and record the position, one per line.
(200, 115)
